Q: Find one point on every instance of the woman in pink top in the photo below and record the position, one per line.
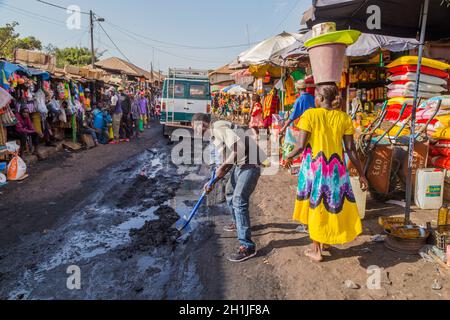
(256, 121)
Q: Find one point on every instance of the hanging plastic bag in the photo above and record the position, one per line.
(290, 141)
(5, 98)
(277, 125)
(7, 117)
(54, 107)
(63, 116)
(17, 169)
(40, 102)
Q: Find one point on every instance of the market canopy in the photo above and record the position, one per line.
(9, 68)
(267, 51)
(399, 18)
(366, 45)
(404, 18)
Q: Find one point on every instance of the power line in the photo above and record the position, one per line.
(115, 45)
(78, 38)
(196, 59)
(180, 45)
(61, 7)
(126, 32)
(34, 15)
(287, 15)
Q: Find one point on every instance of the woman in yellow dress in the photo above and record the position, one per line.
(325, 200)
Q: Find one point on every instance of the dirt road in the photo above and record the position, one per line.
(109, 212)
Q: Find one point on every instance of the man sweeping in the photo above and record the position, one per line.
(242, 158)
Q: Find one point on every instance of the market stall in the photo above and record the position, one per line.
(56, 101)
(430, 20)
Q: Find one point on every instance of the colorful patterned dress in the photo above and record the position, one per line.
(325, 200)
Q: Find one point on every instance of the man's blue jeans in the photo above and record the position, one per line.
(242, 183)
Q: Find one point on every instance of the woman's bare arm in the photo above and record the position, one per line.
(350, 147)
(301, 145)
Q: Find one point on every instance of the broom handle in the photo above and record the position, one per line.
(202, 198)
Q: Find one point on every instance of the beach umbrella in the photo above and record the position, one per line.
(237, 90)
(226, 89)
(402, 18)
(266, 52)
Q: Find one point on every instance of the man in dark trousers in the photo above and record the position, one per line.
(242, 158)
(127, 122)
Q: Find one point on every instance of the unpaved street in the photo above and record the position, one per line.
(110, 214)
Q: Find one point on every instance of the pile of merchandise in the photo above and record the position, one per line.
(7, 117)
(433, 83)
(439, 131)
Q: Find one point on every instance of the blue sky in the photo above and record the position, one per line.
(166, 25)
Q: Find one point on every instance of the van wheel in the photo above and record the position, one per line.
(164, 131)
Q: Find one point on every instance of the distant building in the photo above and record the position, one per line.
(117, 66)
(222, 76)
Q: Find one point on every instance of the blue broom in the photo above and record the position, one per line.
(184, 222)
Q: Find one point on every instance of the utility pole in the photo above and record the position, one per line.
(92, 20)
(91, 14)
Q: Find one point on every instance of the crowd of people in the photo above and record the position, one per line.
(124, 115)
(257, 113)
(236, 108)
(116, 115)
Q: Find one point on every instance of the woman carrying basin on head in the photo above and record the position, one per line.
(325, 200)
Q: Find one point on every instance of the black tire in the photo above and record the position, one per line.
(165, 135)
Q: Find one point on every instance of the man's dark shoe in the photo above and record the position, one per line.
(243, 255)
(230, 227)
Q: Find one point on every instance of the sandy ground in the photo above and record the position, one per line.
(282, 271)
(110, 211)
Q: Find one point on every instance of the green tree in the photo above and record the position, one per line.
(10, 40)
(29, 43)
(72, 56)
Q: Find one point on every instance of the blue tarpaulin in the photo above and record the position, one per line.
(8, 68)
(39, 73)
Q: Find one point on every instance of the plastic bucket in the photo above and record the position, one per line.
(327, 62)
(360, 196)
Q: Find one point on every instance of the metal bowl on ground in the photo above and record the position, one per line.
(410, 246)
